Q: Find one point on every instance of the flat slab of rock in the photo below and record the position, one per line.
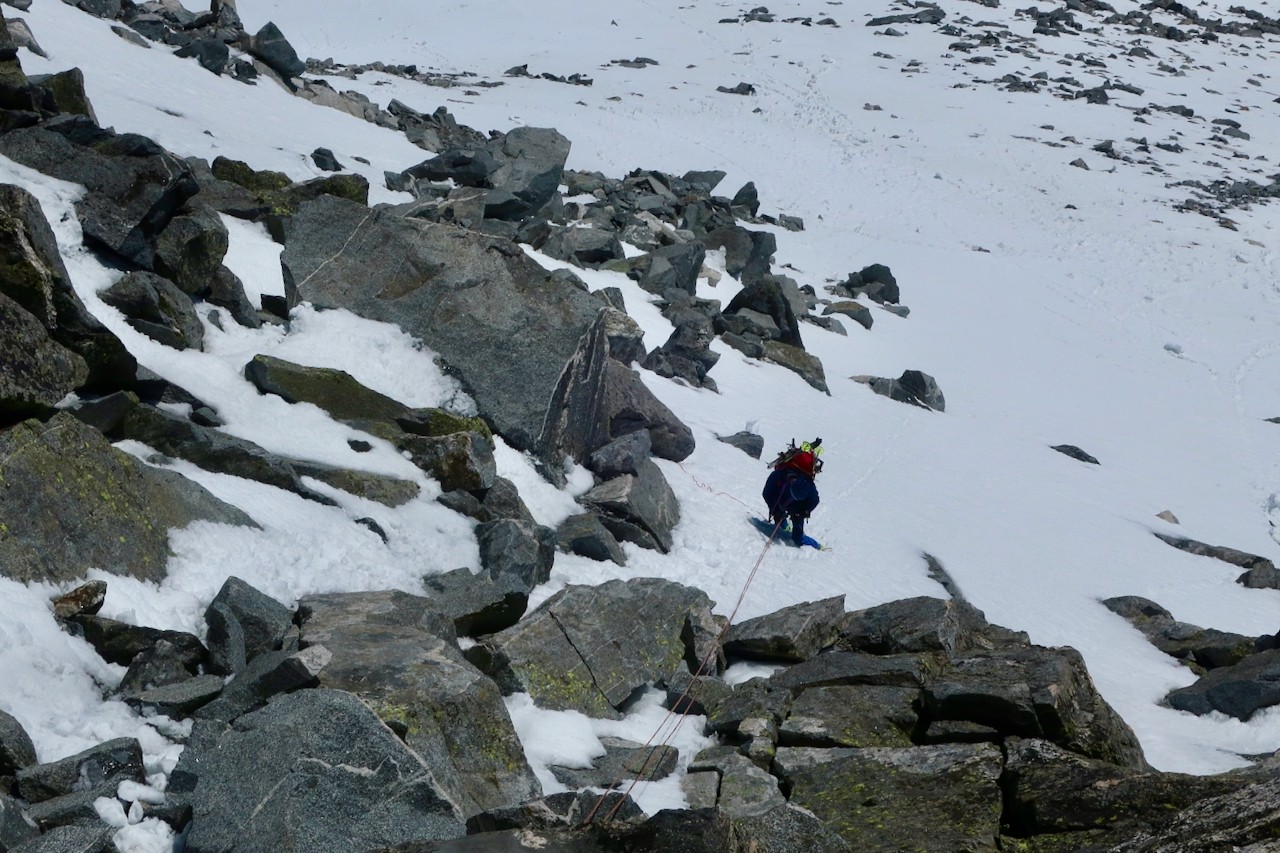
(851, 716)
(926, 798)
(790, 635)
(589, 648)
(314, 770)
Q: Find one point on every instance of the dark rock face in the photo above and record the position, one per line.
(590, 648)
(270, 46)
(599, 399)
(134, 187)
(1240, 690)
(766, 297)
(16, 750)
(398, 654)
(156, 307)
(121, 510)
(190, 250)
(33, 276)
(35, 372)
(315, 770)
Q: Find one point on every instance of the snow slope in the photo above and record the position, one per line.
(1053, 304)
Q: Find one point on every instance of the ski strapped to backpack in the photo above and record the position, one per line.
(807, 457)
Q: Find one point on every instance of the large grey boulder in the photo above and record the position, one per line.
(531, 161)
(643, 500)
(505, 326)
(99, 507)
(586, 247)
(748, 254)
(586, 536)
(36, 279)
(854, 668)
(399, 655)
(790, 635)
(461, 460)
(314, 770)
(516, 549)
(926, 798)
(1034, 692)
(1240, 690)
(687, 354)
(133, 186)
(158, 309)
(623, 760)
(524, 165)
(162, 664)
(745, 790)
(787, 829)
(590, 648)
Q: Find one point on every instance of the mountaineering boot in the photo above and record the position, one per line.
(797, 530)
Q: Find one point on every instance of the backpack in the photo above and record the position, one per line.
(803, 458)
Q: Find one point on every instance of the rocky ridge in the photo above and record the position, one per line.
(960, 733)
